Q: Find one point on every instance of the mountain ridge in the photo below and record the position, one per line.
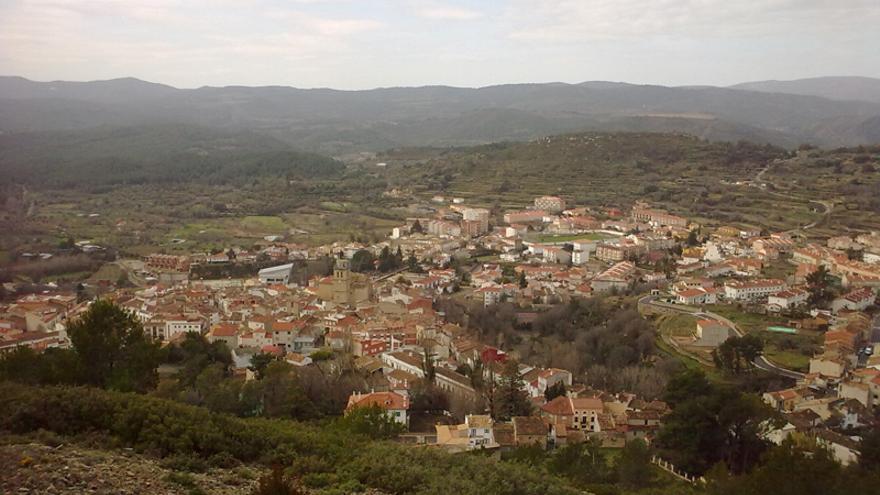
(334, 121)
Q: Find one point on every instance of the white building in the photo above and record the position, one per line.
(184, 325)
(276, 274)
(750, 290)
(857, 300)
(787, 299)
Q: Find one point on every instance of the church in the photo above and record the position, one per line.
(345, 287)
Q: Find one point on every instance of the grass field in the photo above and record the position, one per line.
(692, 364)
(589, 236)
(676, 325)
(789, 351)
(788, 359)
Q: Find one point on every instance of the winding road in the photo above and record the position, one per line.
(760, 362)
(828, 206)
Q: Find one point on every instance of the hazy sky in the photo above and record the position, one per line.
(364, 44)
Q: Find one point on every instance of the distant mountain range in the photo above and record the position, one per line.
(829, 112)
(833, 88)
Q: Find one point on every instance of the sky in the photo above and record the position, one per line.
(381, 43)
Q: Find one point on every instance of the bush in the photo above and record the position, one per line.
(177, 431)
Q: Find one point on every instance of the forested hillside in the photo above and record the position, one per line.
(153, 154)
(331, 122)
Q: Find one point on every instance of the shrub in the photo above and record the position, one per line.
(178, 431)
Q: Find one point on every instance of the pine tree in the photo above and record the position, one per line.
(511, 398)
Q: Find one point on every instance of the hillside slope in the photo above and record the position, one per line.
(153, 154)
(833, 88)
(72, 470)
(325, 457)
(332, 121)
(707, 181)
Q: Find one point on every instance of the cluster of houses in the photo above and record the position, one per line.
(545, 254)
(38, 321)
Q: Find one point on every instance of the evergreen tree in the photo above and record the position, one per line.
(428, 367)
(412, 264)
(363, 261)
(260, 362)
(634, 464)
(818, 284)
(554, 391)
(511, 398)
(112, 350)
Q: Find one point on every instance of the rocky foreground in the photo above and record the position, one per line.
(34, 468)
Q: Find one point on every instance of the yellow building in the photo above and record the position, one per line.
(346, 287)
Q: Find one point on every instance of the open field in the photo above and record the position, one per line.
(192, 218)
(692, 364)
(550, 238)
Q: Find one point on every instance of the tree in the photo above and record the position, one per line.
(194, 353)
(554, 391)
(428, 367)
(581, 462)
(283, 397)
(417, 228)
(259, 363)
(789, 469)
(24, 365)
(112, 350)
(713, 424)
(869, 448)
(523, 283)
(817, 284)
(737, 353)
(510, 398)
(428, 397)
(686, 385)
(634, 464)
(389, 262)
(363, 261)
(412, 264)
(371, 421)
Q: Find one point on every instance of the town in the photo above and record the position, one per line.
(403, 314)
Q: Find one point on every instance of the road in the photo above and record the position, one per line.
(132, 269)
(827, 205)
(389, 274)
(760, 362)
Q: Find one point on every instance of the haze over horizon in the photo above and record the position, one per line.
(351, 45)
